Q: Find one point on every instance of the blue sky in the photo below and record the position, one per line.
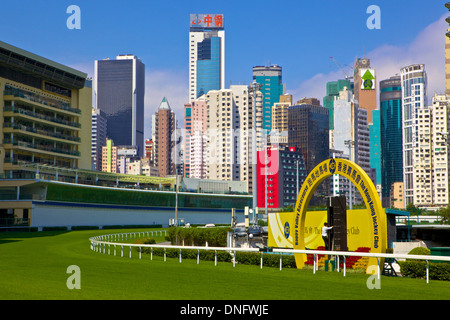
(299, 35)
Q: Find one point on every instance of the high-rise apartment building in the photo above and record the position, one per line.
(119, 89)
(431, 155)
(440, 149)
(109, 157)
(98, 138)
(195, 152)
(206, 54)
(165, 126)
(365, 81)
(230, 132)
(391, 136)
(45, 113)
(270, 78)
(447, 63)
(279, 133)
(414, 87)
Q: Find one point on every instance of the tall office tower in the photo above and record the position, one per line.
(279, 133)
(196, 122)
(230, 133)
(308, 131)
(99, 126)
(447, 63)
(414, 87)
(206, 54)
(365, 81)
(375, 149)
(333, 89)
(351, 134)
(270, 78)
(164, 144)
(45, 113)
(391, 136)
(119, 89)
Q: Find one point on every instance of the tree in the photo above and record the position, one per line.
(444, 212)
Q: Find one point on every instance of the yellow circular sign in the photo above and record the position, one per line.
(363, 183)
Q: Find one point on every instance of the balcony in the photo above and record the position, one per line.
(30, 115)
(41, 133)
(41, 148)
(12, 93)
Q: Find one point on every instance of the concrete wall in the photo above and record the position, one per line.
(48, 214)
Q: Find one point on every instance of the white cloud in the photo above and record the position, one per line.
(164, 83)
(427, 48)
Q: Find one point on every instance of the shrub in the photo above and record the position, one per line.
(269, 260)
(417, 269)
(204, 255)
(420, 251)
(216, 237)
(144, 241)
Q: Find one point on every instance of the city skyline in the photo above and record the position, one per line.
(301, 46)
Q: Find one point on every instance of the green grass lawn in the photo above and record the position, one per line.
(34, 265)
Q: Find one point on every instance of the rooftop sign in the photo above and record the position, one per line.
(209, 21)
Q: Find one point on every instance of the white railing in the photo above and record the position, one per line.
(99, 243)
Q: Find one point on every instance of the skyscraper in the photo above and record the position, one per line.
(414, 87)
(164, 144)
(270, 78)
(308, 131)
(206, 54)
(365, 86)
(333, 89)
(391, 136)
(119, 89)
(230, 132)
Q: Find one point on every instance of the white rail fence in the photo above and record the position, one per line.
(99, 244)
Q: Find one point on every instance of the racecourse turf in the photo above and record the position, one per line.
(33, 265)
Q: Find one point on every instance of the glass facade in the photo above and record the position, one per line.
(391, 135)
(375, 145)
(308, 131)
(116, 97)
(84, 194)
(333, 88)
(272, 88)
(208, 65)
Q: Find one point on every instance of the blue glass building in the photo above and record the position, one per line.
(375, 145)
(272, 88)
(206, 54)
(208, 65)
(391, 135)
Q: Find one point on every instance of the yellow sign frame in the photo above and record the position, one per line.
(363, 183)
